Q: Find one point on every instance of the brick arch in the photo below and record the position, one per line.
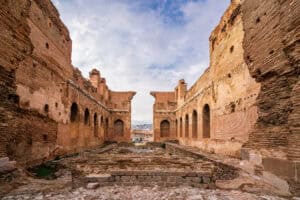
(74, 110)
(186, 125)
(119, 127)
(96, 123)
(86, 116)
(165, 128)
(195, 124)
(180, 127)
(206, 121)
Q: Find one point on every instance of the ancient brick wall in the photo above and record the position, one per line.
(272, 33)
(39, 88)
(218, 112)
(163, 111)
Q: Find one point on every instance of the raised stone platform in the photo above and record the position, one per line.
(146, 166)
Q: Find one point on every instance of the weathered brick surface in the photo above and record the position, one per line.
(251, 86)
(272, 53)
(39, 85)
(225, 88)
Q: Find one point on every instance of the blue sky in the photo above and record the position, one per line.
(142, 45)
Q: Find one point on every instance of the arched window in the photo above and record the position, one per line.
(165, 128)
(119, 127)
(195, 124)
(87, 116)
(186, 125)
(206, 121)
(95, 125)
(180, 126)
(74, 117)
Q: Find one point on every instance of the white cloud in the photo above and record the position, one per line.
(135, 49)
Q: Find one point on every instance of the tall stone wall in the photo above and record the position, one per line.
(218, 112)
(39, 88)
(163, 111)
(272, 52)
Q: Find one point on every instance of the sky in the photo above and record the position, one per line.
(141, 45)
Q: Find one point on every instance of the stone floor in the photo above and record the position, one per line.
(125, 171)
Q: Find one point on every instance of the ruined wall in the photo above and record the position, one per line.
(226, 90)
(163, 110)
(25, 135)
(274, 27)
(39, 85)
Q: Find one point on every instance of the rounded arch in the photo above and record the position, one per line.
(95, 125)
(186, 127)
(119, 127)
(165, 128)
(206, 121)
(86, 116)
(195, 124)
(74, 116)
(101, 121)
(106, 127)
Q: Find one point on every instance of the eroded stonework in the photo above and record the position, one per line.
(246, 104)
(218, 111)
(47, 107)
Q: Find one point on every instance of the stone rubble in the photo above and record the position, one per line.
(145, 193)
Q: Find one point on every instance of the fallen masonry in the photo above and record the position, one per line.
(154, 167)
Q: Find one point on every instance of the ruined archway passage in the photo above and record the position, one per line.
(106, 127)
(206, 121)
(195, 124)
(119, 127)
(165, 128)
(74, 117)
(186, 126)
(87, 117)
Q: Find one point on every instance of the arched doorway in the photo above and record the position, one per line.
(95, 125)
(165, 128)
(195, 124)
(106, 127)
(119, 127)
(206, 121)
(87, 117)
(74, 117)
(101, 126)
(186, 125)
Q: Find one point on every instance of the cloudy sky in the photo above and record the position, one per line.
(141, 45)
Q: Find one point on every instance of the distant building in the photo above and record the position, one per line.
(141, 136)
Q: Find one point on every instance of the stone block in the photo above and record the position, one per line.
(125, 178)
(245, 154)
(255, 158)
(171, 179)
(6, 165)
(92, 185)
(281, 184)
(206, 179)
(280, 167)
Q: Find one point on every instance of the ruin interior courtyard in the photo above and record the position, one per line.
(233, 134)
